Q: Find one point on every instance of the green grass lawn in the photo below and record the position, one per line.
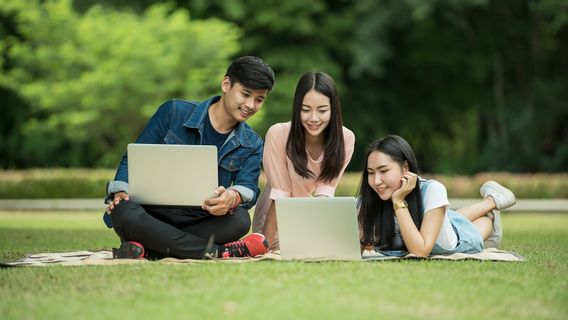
(537, 289)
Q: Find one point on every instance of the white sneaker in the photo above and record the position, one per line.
(502, 196)
(496, 236)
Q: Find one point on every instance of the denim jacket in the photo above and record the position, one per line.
(182, 122)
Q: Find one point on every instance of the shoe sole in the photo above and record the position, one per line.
(492, 185)
(496, 237)
(128, 251)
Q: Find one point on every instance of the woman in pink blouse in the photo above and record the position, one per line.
(307, 156)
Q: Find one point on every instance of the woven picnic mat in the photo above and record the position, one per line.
(488, 254)
(82, 258)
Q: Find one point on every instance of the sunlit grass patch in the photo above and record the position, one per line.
(536, 289)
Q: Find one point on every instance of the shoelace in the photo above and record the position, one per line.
(237, 249)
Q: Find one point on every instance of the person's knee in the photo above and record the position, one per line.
(124, 212)
(241, 221)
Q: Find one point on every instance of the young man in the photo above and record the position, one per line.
(162, 231)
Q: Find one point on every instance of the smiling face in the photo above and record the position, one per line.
(315, 113)
(384, 174)
(240, 102)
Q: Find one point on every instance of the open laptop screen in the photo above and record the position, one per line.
(165, 174)
(318, 228)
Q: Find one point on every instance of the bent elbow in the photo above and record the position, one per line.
(423, 253)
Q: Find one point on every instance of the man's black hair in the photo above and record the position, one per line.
(252, 72)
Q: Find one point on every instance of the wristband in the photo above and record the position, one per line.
(237, 200)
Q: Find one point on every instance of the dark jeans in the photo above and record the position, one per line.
(178, 232)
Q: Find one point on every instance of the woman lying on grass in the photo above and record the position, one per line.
(401, 211)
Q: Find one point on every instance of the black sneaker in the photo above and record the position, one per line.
(129, 250)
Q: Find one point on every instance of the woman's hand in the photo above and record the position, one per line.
(408, 184)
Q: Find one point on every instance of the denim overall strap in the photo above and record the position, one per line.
(423, 183)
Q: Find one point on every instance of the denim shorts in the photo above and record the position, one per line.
(469, 238)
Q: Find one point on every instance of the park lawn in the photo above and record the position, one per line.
(536, 289)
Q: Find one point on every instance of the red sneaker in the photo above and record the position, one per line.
(129, 250)
(250, 246)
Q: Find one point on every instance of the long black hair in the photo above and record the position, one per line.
(334, 148)
(376, 216)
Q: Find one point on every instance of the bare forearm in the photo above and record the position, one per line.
(413, 239)
(271, 229)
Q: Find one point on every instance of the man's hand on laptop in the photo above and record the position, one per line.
(119, 196)
(221, 202)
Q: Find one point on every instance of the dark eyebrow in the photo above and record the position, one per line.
(250, 91)
(322, 106)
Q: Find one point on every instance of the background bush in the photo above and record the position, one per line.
(54, 183)
(88, 183)
(90, 81)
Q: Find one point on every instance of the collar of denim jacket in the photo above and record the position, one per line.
(197, 121)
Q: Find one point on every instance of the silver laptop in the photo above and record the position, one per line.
(318, 228)
(166, 174)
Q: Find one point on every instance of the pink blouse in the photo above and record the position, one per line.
(281, 178)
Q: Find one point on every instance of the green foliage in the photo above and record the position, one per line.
(92, 80)
(474, 86)
(463, 80)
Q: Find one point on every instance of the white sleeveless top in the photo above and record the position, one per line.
(433, 197)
